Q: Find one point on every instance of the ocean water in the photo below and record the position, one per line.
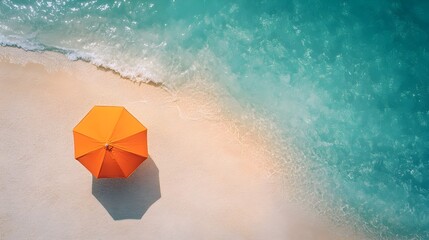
(345, 82)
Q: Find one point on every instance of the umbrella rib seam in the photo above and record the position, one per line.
(98, 148)
(119, 166)
(89, 152)
(145, 157)
(128, 136)
(116, 124)
(125, 150)
(102, 163)
(86, 136)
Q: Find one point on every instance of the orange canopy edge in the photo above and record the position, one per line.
(110, 142)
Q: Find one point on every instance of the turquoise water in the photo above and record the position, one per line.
(346, 82)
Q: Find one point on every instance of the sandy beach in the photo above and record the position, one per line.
(200, 181)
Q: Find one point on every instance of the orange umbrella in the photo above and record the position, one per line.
(110, 142)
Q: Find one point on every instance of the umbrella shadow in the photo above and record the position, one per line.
(129, 198)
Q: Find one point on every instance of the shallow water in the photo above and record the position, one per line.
(346, 82)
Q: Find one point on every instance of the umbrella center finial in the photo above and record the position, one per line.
(108, 147)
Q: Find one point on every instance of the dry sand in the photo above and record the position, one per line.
(200, 182)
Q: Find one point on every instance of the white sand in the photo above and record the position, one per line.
(199, 183)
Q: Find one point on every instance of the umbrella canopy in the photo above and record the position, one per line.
(110, 142)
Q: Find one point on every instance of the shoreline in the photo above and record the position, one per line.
(208, 186)
(188, 101)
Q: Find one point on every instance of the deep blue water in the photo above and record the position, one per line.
(346, 82)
